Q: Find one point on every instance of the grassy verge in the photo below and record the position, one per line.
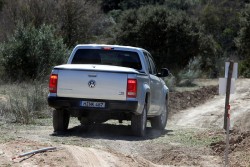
(22, 103)
(190, 138)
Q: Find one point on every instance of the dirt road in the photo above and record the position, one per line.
(211, 114)
(185, 142)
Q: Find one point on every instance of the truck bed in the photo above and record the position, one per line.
(93, 81)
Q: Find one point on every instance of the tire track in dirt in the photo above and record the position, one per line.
(104, 148)
(66, 155)
(211, 113)
(85, 156)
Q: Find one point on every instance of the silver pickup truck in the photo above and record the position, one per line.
(102, 82)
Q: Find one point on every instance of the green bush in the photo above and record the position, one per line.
(30, 53)
(171, 36)
(221, 19)
(109, 5)
(244, 68)
(243, 43)
(182, 4)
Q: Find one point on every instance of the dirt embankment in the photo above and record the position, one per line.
(210, 115)
(182, 100)
(239, 148)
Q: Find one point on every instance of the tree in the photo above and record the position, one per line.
(80, 21)
(172, 36)
(182, 4)
(31, 53)
(220, 19)
(1, 4)
(243, 42)
(26, 12)
(77, 21)
(109, 5)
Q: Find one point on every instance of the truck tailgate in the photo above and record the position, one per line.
(92, 84)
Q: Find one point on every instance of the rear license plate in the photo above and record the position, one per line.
(92, 104)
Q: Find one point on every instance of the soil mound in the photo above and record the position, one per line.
(239, 149)
(183, 100)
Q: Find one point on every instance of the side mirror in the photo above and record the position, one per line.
(164, 73)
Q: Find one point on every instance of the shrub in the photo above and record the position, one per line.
(243, 43)
(210, 56)
(30, 53)
(109, 5)
(170, 82)
(192, 71)
(244, 68)
(171, 36)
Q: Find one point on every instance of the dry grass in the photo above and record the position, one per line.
(199, 83)
(24, 102)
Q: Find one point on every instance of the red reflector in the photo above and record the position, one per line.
(53, 83)
(132, 88)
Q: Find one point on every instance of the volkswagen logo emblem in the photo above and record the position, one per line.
(91, 83)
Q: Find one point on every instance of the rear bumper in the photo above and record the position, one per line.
(74, 104)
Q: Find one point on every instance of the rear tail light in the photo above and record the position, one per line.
(53, 83)
(131, 88)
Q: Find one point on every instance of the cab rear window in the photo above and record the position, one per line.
(107, 57)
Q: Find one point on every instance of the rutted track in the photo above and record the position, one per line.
(111, 144)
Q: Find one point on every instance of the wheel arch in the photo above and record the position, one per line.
(143, 98)
(147, 100)
(166, 92)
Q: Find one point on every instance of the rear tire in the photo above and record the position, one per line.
(139, 123)
(160, 122)
(60, 120)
